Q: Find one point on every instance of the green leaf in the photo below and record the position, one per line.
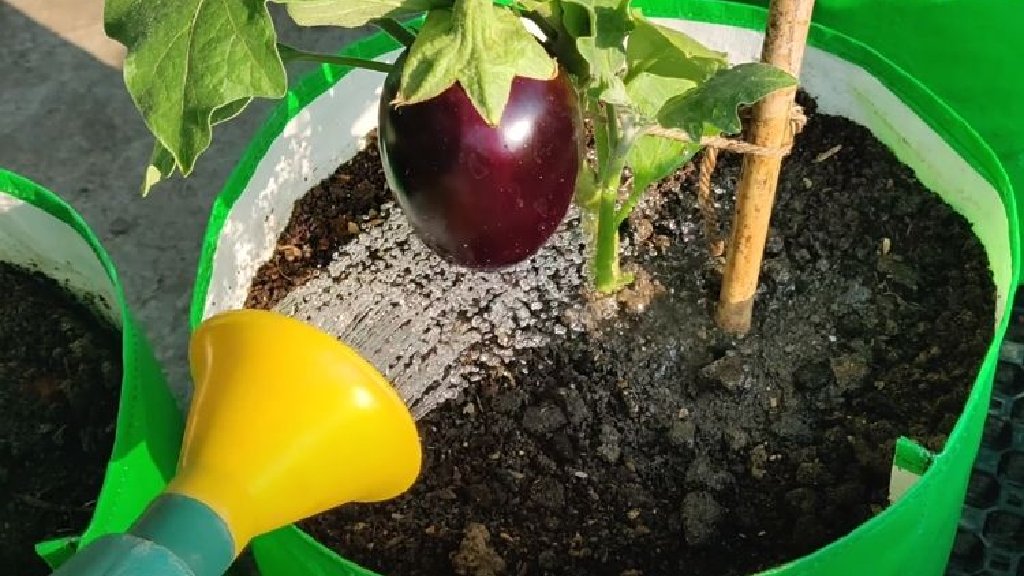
(546, 8)
(576, 17)
(714, 104)
(649, 92)
(662, 51)
(189, 59)
(230, 110)
(481, 46)
(653, 157)
(586, 194)
(600, 28)
(354, 13)
(161, 166)
(161, 162)
(560, 26)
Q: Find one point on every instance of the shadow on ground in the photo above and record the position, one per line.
(67, 122)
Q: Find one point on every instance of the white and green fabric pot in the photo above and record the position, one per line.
(323, 120)
(41, 232)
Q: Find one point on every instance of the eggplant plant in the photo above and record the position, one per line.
(482, 116)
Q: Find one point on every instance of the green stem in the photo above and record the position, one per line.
(289, 54)
(395, 29)
(608, 276)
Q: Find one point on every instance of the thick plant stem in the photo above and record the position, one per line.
(608, 276)
(785, 40)
(606, 260)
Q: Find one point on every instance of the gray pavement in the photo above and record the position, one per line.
(67, 122)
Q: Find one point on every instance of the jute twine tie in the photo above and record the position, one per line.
(705, 202)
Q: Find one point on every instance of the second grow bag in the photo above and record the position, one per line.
(41, 232)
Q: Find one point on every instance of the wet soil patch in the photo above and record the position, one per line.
(324, 219)
(60, 377)
(651, 443)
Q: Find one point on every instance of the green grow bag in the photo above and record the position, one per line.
(322, 121)
(966, 52)
(914, 535)
(40, 231)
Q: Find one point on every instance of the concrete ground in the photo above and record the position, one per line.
(68, 123)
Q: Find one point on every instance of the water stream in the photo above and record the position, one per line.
(430, 327)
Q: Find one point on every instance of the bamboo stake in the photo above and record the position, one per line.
(784, 43)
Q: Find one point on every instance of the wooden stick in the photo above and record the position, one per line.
(784, 43)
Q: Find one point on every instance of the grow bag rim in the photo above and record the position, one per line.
(23, 188)
(132, 422)
(953, 129)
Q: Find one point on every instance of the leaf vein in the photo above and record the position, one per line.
(185, 85)
(244, 40)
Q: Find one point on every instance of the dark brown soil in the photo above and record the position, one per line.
(329, 215)
(658, 445)
(60, 376)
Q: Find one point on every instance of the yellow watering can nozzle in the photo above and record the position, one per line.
(287, 422)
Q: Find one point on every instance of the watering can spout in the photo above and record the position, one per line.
(285, 422)
(312, 425)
